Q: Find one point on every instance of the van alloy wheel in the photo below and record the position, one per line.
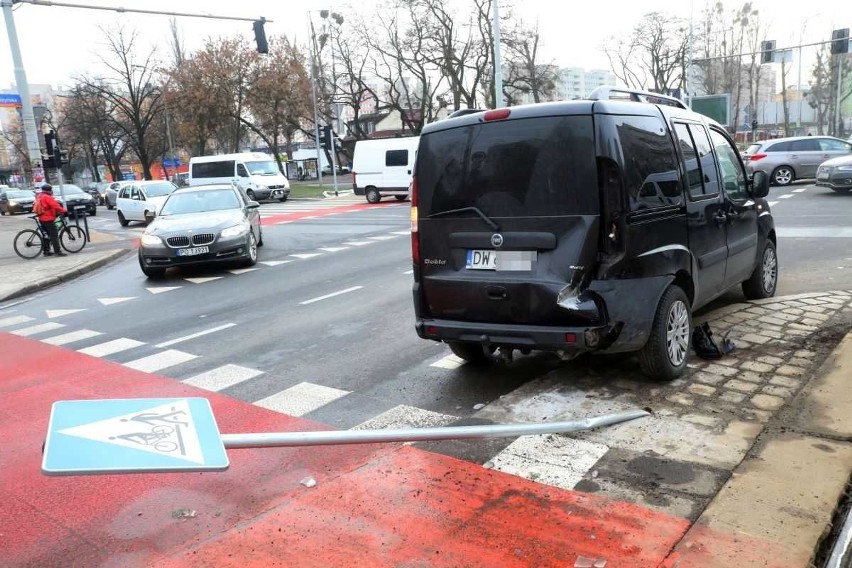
(764, 280)
(665, 354)
(770, 270)
(677, 333)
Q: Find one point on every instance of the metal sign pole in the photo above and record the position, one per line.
(329, 438)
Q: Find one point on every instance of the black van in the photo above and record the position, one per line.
(595, 225)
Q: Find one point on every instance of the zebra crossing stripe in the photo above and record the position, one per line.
(222, 377)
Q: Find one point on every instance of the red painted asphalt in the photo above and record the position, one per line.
(373, 505)
(320, 212)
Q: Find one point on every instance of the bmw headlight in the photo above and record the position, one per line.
(12, 203)
(235, 231)
(845, 168)
(151, 240)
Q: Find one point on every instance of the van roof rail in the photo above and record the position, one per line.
(464, 111)
(604, 93)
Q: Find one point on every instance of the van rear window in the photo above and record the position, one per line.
(512, 168)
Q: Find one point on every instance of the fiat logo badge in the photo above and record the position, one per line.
(497, 240)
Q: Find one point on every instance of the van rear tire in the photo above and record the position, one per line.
(471, 352)
(764, 280)
(665, 354)
(401, 197)
(373, 195)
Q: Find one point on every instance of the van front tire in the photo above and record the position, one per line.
(764, 279)
(373, 195)
(664, 356)
(470, 352)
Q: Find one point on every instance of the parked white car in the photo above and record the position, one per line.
(141, 200)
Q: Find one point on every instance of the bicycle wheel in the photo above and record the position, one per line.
(28, 244)
(72, 238)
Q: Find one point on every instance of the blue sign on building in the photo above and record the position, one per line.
(145, 435)
(10, 100)
(128, 175)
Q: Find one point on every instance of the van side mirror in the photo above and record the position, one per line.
(759, 184)
(252, 204)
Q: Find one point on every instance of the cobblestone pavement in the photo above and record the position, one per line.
(703, 424)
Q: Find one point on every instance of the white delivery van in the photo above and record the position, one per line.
(383, 167)
(254, 172)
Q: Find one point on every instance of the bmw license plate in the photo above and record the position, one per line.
(503, 260)
(192, 251)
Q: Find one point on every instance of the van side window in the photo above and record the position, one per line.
(705, 156)
(241, 171)
(213, 169)
(651, 175)
(695, 185)
(396, 158)
(733, 174)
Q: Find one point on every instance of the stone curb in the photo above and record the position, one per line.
(65, 276)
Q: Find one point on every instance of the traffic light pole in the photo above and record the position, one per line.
(31, 134)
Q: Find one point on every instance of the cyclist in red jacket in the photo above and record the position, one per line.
(50, 208)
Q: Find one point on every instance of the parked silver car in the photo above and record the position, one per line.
(788, 159)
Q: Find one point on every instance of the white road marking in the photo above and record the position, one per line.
(409, 271)
(772, 203)
(283, 222)
(800, 190)
(110, 347)
(39, 328)
(306, 255)
(239, 271)
(333, 294)
(59, 313)
(203, 280)
(836, 232)
(448, 362)
(111, 301)
(334, 249)
(401, 233)
(222, 377)
(403, 416)
(15, 320)
(195, 335)
(157, 361)
(275, 262)
(161, 289)
(559, 461)
(358, 243)
(71, 337)
(788, 196)
(383, 237)
(301, 399)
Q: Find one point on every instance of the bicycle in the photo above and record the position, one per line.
(29, 243)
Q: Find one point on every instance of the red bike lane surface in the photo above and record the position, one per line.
(320, 212)
(373, 504)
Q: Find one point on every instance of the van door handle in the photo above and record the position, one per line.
(720, 217)
(409, 172)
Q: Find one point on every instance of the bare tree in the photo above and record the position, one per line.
(132, 94)
(653, 57)
(526, 74)
(88, 121)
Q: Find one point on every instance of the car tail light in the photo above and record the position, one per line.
(415, 237)
(756, 157)
(497, 114)
(354, 180)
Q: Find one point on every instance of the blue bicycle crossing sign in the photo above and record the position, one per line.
(146, 435)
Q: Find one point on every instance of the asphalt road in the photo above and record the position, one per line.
(323, 328)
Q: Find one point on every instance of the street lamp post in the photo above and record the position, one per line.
(31, 136)
(499, 100)
(311, 39)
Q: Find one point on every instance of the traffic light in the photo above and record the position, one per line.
(50, 142)
(260, 36)
(325, 139)
(840, 41)
(767, 49)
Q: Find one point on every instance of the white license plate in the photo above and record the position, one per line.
(192, 251)
(504, 260)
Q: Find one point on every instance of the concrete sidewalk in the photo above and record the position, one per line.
(21, 276)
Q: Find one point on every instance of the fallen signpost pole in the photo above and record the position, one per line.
(329, 438)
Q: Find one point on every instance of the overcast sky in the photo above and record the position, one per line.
(58, 43)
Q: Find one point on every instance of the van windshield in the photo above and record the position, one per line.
(513, 168)
(267, 168)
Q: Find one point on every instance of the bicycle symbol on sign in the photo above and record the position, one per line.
(164, 427)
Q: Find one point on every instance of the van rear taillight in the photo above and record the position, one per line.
(497, 114)
(756, 157)
(415, 237)
(354, 180)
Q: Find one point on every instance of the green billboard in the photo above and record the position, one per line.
(717, 107)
